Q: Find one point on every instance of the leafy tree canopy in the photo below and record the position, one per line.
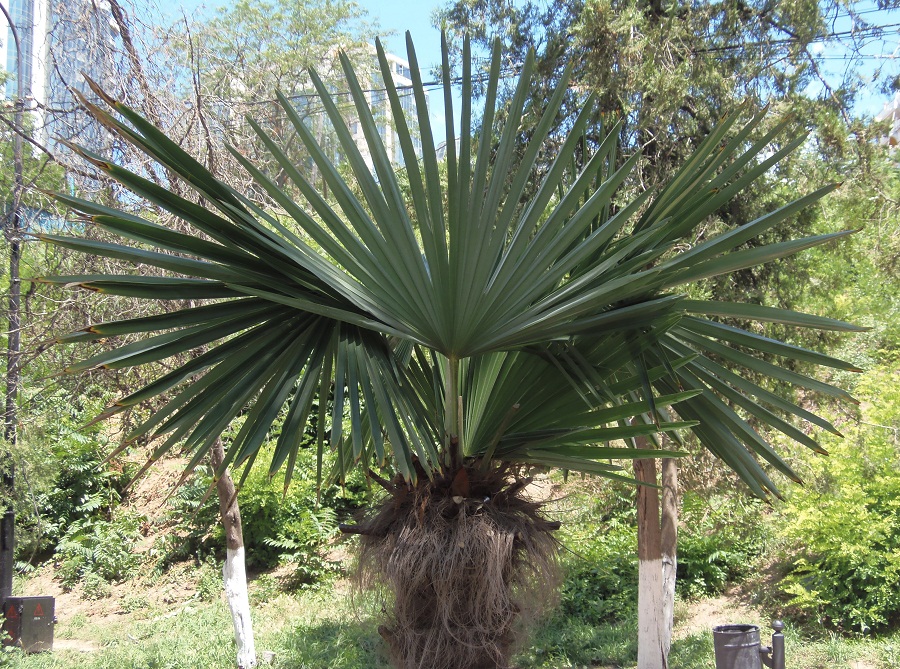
(254, 47)
(672, 70)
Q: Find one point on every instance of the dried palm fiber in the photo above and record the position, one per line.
(468, 562)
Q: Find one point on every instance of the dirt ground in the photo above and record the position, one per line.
(703, 615)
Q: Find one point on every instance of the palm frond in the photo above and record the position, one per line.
(515, 310)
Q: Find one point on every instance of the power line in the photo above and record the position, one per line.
(505, 73)
(510, 72)
(872, 31)
(850, 15)
(862, 56)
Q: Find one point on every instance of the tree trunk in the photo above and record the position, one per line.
(652, 651)
(669, 540)
(12, 232)
(234, 572)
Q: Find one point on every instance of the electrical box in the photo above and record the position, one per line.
(28, 623)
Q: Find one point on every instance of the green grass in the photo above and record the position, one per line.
(831, 652)
(564, 642)
(321, 630)
(307, 631)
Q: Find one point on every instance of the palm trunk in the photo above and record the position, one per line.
(234, 572)
(652, 652)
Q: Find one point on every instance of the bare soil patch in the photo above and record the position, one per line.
(701, 616)
(75, 645)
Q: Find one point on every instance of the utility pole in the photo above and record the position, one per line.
(12, 232)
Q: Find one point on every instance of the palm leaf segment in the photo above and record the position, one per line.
(462, 320)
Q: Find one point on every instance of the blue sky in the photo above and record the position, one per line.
(392, 16)
(412, 16)
(878, 57)
(397, 17)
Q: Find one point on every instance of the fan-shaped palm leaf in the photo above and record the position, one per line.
(483, 317)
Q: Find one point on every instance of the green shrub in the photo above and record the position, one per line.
(97, 552)
(719, 542)
(601, 570)
(60, 476)
(603, 586)
(84, 486)
(300, 541)
(192, 529)
(278, 526)
(842, 531)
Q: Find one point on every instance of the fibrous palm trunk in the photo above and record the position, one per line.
(466, 561)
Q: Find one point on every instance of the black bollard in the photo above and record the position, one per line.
(778, 645)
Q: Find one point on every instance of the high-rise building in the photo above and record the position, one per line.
(62, 41)
(891, 113)
(381, 110)
(30, 19)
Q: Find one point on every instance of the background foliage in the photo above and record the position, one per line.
(827, 557)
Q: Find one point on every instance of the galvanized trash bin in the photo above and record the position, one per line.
(739, 647)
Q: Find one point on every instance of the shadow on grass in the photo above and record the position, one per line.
(355, 644)
(693, 652)
(566, 642)
(330, 644)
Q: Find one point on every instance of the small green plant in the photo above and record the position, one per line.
(264, 588)
(94, 586)
(719, 542)
(133, 603)
(209, 583)
(96, 552)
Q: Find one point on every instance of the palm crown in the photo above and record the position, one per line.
(479, 317)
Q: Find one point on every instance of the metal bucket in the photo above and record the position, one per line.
(737, 647)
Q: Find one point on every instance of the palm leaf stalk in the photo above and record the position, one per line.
(481, 323)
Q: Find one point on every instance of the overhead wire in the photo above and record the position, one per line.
(513, 71)
(872, 31)
(505, 73)
(509, 72)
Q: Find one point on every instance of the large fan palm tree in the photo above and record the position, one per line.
(466, 326)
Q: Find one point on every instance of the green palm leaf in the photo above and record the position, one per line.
(515, 311)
